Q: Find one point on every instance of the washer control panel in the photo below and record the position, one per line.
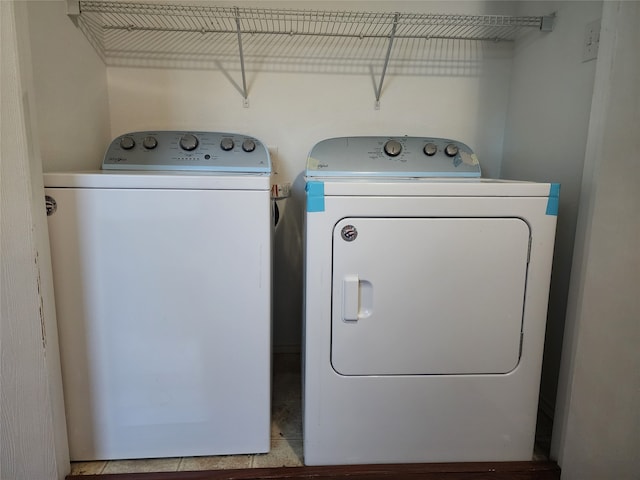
(392, 157)
(180, 150)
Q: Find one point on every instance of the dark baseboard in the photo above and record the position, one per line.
(543, 470)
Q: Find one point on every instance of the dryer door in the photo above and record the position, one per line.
(423, 296)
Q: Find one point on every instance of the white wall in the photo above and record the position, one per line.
(597, 434)
(72, 110)
(545, 138)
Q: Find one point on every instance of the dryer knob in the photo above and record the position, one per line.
(227, 144)
(451, 150)
(392, 148)
(430, 149)
(248, 145)
(127, 143)
(188, 142)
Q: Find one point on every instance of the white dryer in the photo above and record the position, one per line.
(426, 293)
(162, 277)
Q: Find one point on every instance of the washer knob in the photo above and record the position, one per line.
(127, 143)
(150, 142)
(188, 142)
(451, 150)
(392, 148)
(430, 149)
(227, 144)
(248, 145)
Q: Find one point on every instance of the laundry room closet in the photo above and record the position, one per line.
(512, 79)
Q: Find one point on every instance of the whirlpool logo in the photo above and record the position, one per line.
(50, 204)
(349, 233)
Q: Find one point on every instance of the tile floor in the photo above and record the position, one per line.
(286, 435)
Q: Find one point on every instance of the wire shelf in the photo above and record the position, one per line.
(213, 19)
(144, 34)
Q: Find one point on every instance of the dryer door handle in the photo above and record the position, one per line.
(350, 298)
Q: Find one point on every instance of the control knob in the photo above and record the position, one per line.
(430, 149)
(150, 142)
(248, 145)
(127, 143)
(451, 150)
(188, 142)
(392, 148)
(227, 144)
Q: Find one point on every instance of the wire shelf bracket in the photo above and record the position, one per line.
(386, 61)
(123, 33)
(245, 94)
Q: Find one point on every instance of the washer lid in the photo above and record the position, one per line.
(189, 151)
(159, 180)
(392, 157)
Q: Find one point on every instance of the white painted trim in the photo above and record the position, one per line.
(33, 440)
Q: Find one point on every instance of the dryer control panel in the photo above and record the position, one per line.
(392, 157)
(186, 150)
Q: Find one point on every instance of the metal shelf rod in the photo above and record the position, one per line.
(308, 34)
(244, 78)
(305, 34)
(386, 61)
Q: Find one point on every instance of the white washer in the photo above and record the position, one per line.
(425, 304)
(163, 296)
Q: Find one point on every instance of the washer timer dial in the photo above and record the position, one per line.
(188, 142)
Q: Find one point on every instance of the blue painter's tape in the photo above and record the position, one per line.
(315, 196)
(553, 201)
